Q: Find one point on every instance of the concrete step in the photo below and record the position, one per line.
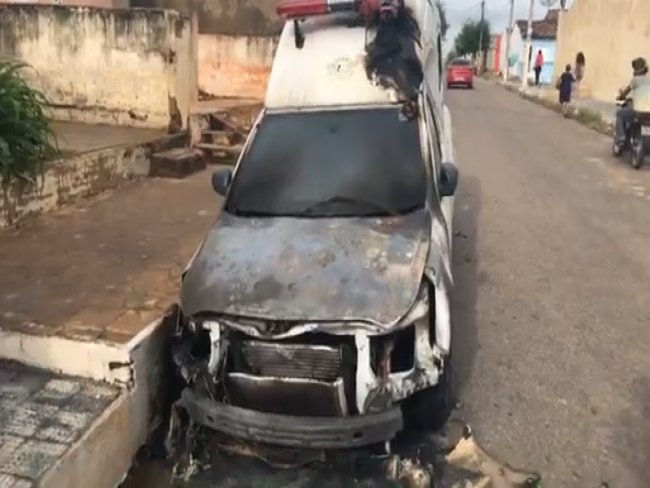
(221, 153)
(176, 163)
(220, 137)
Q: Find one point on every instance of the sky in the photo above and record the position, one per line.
(496, 11)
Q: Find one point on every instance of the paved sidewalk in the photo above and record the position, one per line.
(41, 416)
(103, 269)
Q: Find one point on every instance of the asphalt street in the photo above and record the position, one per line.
(551, 334)
(552, 296)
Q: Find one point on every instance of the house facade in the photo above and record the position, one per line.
(516, 52)
(607, 34)
(543, 39)
(494, 59)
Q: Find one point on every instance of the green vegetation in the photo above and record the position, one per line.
(468, 39)
(26, 139)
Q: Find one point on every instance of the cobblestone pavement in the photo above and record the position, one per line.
(41, 415)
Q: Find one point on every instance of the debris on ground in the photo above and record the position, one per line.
(450, 460)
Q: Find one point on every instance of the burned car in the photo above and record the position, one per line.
(316, 311)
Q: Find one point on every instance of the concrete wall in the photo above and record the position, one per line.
(81, 175)
(494, 56)
(235, 66)
(76, 3)
(516, 51)
(610, 33)
(235, 17)
(131, 67)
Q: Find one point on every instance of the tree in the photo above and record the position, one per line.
(467, 40)
(444, 23)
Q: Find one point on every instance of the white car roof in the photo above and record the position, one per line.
(329, 70)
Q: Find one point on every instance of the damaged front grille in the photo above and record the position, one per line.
(309, 375)
(291, 360)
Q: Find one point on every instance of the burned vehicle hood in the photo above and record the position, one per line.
(317, 270)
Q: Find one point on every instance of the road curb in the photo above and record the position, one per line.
(587, 117)
(111, 442)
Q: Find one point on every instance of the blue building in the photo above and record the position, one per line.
(543, 38)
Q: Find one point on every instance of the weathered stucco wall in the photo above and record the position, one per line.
(236, 17)
(118, 66)
(81, 175)
(610, 33)
(76, 3)
(235, 66)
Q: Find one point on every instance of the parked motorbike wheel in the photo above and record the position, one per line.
(637, 148)
(617, 149)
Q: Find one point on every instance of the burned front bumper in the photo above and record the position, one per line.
(317, 385)
(293, 431)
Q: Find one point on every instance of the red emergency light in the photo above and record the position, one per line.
(300, 9)
(292, 9)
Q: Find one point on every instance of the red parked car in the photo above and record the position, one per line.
(460, 73)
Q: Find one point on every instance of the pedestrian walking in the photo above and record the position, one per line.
(539, 63)
(565, 86)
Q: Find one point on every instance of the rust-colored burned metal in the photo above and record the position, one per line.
(309, 269)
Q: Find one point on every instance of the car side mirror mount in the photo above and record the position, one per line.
(221, 181)
(448, 182)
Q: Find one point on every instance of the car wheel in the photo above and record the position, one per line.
(429, 409)
(470, 86)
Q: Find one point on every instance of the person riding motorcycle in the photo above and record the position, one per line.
(638, 93)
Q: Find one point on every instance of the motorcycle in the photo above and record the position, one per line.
(637, 133)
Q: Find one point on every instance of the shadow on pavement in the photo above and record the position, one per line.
(465, 265)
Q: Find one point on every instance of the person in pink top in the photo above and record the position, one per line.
(539, 62)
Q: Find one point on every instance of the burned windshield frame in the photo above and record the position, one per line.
(336, 163)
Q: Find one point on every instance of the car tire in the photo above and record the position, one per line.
(470, 86)
(637, 150)
(430, 408)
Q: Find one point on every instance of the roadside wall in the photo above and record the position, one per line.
(81, 175)
(610, 33)
(130, 67)
(233, 17)
(516, 51)
(235, 66)
(237, 41)
(75, 3)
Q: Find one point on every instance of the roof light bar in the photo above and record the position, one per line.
(308, 8)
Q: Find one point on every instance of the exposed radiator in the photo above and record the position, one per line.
(291, 360)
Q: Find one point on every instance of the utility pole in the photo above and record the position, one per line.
(480, 38)
(511, 21)
(529, 43)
